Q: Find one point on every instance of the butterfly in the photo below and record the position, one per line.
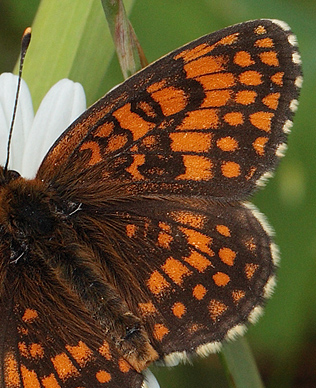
(135, 241)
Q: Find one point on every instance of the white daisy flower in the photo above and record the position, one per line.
(34, 135)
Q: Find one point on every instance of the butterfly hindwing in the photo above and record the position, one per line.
(203, 273)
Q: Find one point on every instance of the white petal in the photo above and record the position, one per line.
(23, 119)
(60, 107)
(150, 380)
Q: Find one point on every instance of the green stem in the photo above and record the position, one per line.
(240, 366)
(129, 52)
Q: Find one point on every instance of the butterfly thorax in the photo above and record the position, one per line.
(28, 212)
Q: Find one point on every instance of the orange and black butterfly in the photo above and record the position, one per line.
(134, 242)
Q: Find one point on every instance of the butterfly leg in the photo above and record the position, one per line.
(109, 310)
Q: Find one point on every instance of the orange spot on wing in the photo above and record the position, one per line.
(147, 309)
(22, 330)
(272, 100)
(199, 291)
(157, 283)
(250, 269)
(217, 81)
(132, 121)
(262, 120)
(200, 119)
(147, 109)
(234, 118)
(216, 98)
(197, 168)
(252, 170)
(277, 78)
(116, 142)
(29, 378)
(250, 77)
(36, 350)
(221, 279)
(269, 58)
(156, 86)
(164, 226)
(103, 377)
(199, 240)
(223, 230)
(29, 315)
(216, 309)
(260, 30)
(205, 65)
(189, 218)
(243, 59)
(170, 99)
(230, 169)
(139, 160)
(104, 350)
(131, 230)
(264, 43)
(160, 331)
(104, 130)
(178, 309)
(81, 353)
(246, 97)
(227, 256)
(229, 39)
(259, 145)
(198, 261)
(95, 152)
(11, 371)
(23, 349)
(64, 367)
(123, 365)
(50, 382)
(237, 295)
(227, 144)
(149, 142)
(175, 270)
(250, 244)
(190, 141)
(196, 52)
(164, 239)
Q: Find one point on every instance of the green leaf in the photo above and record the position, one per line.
(70, 39)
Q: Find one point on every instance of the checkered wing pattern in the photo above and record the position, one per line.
(208, 119)
(153, 179)
(205, 271)
(46, 347)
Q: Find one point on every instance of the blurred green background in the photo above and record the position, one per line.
(284, 340)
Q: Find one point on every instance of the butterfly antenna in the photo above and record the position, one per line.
(26, 38)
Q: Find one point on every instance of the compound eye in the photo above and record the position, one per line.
(12, 175)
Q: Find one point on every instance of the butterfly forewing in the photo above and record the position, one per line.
(149, 249)
(209, 118)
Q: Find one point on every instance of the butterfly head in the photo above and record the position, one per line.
(7, 176)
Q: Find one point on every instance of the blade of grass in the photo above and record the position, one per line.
(129, 51)
(240, 365)
(66, 44)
